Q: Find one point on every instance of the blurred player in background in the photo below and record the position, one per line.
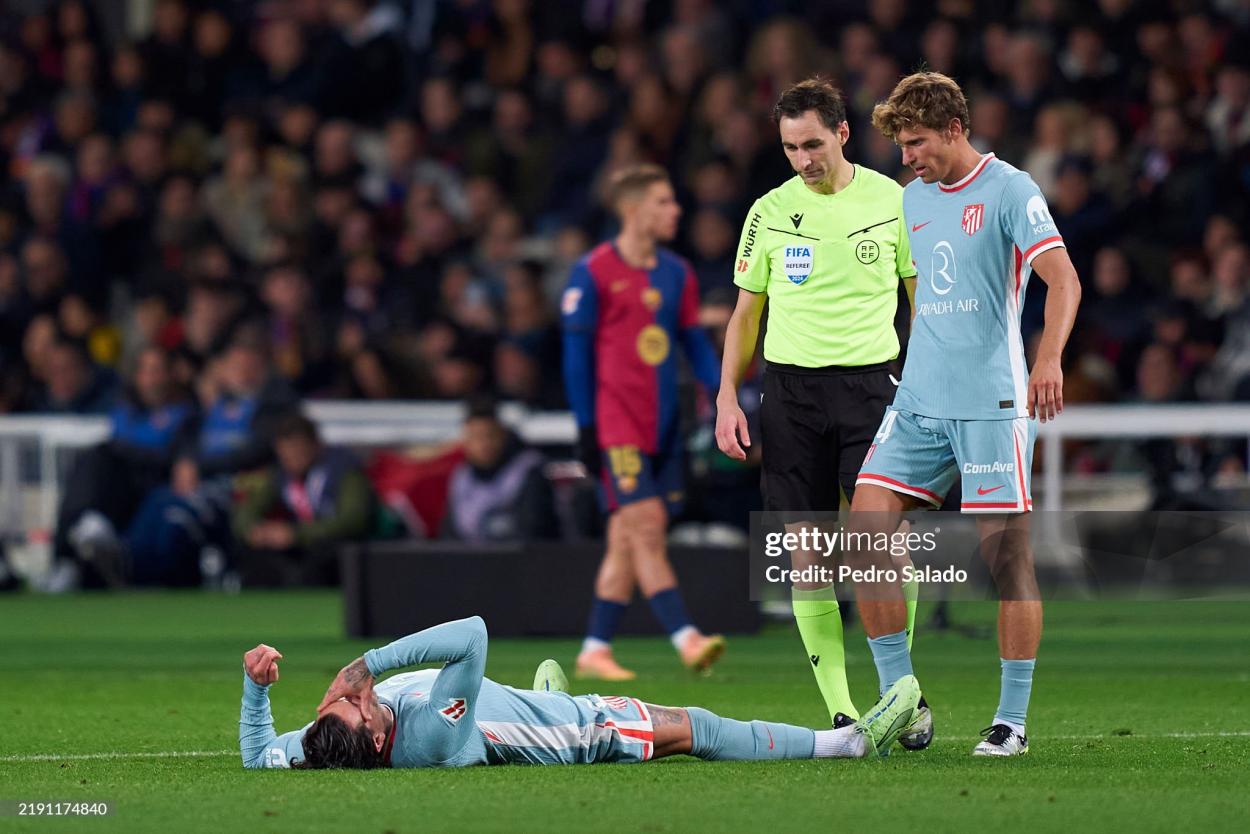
(827, 250)
(628, 304)
(457, 717)
(967, 402)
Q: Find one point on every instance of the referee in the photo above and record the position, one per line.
(826, 250)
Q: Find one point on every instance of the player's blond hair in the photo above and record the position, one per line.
(922, 99)
(632, 181)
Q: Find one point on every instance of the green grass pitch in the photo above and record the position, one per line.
(1139, 722)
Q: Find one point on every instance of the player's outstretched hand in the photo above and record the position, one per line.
(355, 683)
(731, 426)
(1046, 390)
(261, 664)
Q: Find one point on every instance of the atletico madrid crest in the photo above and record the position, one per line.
(974, 215)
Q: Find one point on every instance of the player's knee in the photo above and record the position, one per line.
(646, 523)
(1010, 562)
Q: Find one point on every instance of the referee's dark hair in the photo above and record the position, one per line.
(815, 93)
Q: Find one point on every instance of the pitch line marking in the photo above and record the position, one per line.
(209, 754)
(1045, 736)
(83, 757)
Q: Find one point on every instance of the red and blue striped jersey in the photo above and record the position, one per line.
(621, 326)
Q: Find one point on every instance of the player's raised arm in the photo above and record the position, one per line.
(256, 734)
(1063, 297)
(460, 644)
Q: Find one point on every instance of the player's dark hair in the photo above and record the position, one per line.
(330, 743)
(633, 180)
(813, 94)
(923, 99)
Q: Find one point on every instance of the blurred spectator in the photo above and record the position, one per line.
(712, 241)
(297, 340)
(82, 323)
(108, 482)
(72, 382)
(1175, 181)
(236, 202)
(1228, 114)
(1085, 215)
(243, 401)
(292, 517)
(499, 492)
(181, 533)
(1230, 278)
(165, 51)
(365, 70)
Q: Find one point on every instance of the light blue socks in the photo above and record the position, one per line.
(1013, 696)
(890, 653)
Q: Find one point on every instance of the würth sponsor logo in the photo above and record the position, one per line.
(989, 468)
(751, 230)
(974, 215)
(454, 710)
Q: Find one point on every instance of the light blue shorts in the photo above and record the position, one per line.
(922, 457)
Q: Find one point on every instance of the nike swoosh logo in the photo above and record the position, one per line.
(921, 226)
(770, 738)
(983, 491)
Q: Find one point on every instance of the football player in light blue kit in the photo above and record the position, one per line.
(967, 404)
(456, 717)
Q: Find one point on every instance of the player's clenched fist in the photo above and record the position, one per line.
(261, 664)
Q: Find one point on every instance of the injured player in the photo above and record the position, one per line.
(456, 717)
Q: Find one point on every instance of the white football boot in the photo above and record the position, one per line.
(1001, 740)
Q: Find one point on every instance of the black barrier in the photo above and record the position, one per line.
(541, 589)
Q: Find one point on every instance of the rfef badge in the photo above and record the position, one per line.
(797, 263)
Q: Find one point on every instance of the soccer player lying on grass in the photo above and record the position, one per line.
(456, 717)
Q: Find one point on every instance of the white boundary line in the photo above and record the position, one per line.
(1112, 736)
(209, 754)
(84, 757)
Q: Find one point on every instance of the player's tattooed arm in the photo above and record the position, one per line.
(355, 683)
(356, 671)
(661, 716)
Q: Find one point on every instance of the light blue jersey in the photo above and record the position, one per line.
(456, 717)
(973, 243)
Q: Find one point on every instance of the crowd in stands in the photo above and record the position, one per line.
(381, 199)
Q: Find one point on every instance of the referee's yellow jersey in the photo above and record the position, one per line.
(830, 265)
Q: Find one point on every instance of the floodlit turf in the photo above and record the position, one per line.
(1139, 721)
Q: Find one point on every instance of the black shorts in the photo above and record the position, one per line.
(817, 425)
